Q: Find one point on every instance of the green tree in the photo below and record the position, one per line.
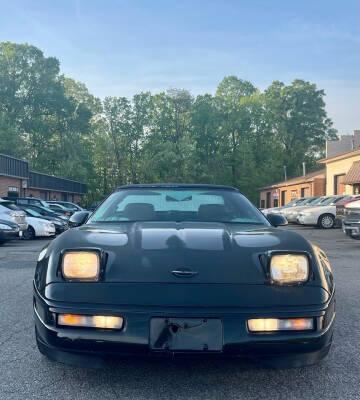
(299, 121)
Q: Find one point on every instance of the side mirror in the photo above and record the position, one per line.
(277, 219)
(78, 218)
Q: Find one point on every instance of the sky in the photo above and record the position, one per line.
(119, 48)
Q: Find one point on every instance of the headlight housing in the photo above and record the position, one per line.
(289, 268)
(81, 266)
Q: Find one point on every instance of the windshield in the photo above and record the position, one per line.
(304, 202)
(10, 206)
(47, 210)
(70, 206)
(32, 212)
(327, 201)
(57, 207)
(317, 200)
(292, 203)
(332, 200)
(178, 205)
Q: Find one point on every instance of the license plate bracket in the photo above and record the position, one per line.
(186, 334)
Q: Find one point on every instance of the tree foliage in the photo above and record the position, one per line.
(239, 136)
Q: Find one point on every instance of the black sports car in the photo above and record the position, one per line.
(173, 269)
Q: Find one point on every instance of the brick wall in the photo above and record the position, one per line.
(319, 187)
(291, 192)
(29, 192)
(5, 182)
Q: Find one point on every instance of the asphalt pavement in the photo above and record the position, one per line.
(26, 374)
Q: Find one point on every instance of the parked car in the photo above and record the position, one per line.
(47, 211)
(323, 215)
(340, 208)
(291, 213)
(59, 208)
(8, 231)
(28, 200)
(182, 270)
(10, 212)
(67, 204)
(276, 210)
(60, 225)
(38, 227)
(351, 221)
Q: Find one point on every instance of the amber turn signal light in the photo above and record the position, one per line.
(91, 321)
(274, 324)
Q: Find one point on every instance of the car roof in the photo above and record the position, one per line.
(6, 201)
(176, 186)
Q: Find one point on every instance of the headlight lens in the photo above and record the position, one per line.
(289, 268)
(81, 265)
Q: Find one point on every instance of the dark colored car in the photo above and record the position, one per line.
(27, 200)
(60, 225)
(341, 206)
(351, 222)
(46, 211)
(8, 231)
(59, 208)
(168, 270)
(67, 204)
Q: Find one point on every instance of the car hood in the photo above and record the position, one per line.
(152, 251)
(9, 223)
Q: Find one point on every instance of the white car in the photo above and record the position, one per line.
(322, 215)
(278, 210)
(292, 213)
(38, 227)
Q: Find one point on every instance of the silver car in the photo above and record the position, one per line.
(11, 212)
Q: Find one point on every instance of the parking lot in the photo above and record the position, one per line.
(25, 374)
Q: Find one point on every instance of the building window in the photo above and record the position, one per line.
(283, 197)
(13, 191)
(268, 199)
(43, 195)
(339, 186)
(262, 203)
(276, 202)
(356, 188)
(305, 192)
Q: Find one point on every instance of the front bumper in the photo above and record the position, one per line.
(8, 234)
(351, 229)
(60, 229)
(45, 231)
(292, 218)
(307, 220)
(22, 226)
(279, 349)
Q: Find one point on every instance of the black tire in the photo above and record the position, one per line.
(29, 233)
(326, 221)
